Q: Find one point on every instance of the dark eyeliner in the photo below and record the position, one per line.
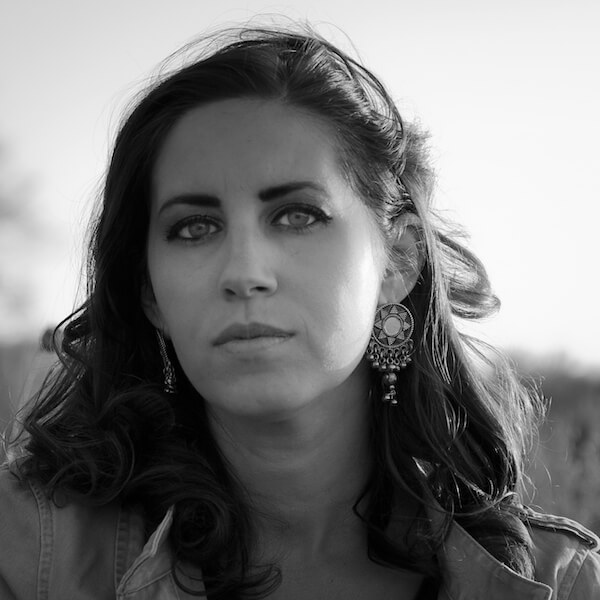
(321, 217)
(173, 231)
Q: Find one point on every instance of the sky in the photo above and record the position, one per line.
(508, 91)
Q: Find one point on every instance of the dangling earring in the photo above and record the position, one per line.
(391, 345)
(168, 372)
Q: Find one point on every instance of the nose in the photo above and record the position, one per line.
(248, 269)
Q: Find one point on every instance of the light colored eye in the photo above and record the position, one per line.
(297, 218)
(197, 229)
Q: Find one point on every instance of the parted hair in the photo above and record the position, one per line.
(102, 430)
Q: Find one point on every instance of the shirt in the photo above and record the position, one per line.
(100, 553)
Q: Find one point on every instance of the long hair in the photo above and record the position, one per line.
(102, 429)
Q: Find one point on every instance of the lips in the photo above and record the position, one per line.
(249, 331)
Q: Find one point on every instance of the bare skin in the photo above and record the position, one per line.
(303, 474)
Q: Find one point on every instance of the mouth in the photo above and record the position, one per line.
(243, 332)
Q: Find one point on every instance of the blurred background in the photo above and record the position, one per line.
(509, 91)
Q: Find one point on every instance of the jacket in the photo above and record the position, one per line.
(79, 553)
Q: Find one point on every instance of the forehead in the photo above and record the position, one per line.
(245, 142)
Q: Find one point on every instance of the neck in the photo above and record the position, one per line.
(303, 472)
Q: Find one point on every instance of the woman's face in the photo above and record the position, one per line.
(265, 266)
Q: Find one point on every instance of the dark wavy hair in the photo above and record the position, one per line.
(101, 429)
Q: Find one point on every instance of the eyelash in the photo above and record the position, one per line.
(174, 232)
(320, 218)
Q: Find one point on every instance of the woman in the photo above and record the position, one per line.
(264, 394)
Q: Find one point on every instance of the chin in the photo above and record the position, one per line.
(275, 401)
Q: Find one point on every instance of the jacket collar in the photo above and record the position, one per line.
(153, 568)
(469, 571)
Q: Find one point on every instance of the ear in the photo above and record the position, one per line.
(150, 307)
(406, 262)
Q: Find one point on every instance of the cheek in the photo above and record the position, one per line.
(179, 290)
(350, 302)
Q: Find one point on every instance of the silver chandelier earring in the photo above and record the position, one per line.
(170, 383)
(391, 345)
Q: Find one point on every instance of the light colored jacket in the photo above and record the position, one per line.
(78, 553)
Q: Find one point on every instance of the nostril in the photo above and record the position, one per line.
(247, 289)
(246, 278)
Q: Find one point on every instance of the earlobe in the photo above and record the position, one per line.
(150, 308)
(405, 266)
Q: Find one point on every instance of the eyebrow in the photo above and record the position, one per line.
(266, 195)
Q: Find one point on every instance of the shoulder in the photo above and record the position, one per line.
(566, 563)
(20, 535)
(57, 552)
(566, 555)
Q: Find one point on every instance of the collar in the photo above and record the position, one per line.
(470, 572)
(153, 569)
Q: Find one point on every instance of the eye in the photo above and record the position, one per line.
(194, 228)
(297, 218)
(300, 218)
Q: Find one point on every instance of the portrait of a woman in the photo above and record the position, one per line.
(265, 393)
